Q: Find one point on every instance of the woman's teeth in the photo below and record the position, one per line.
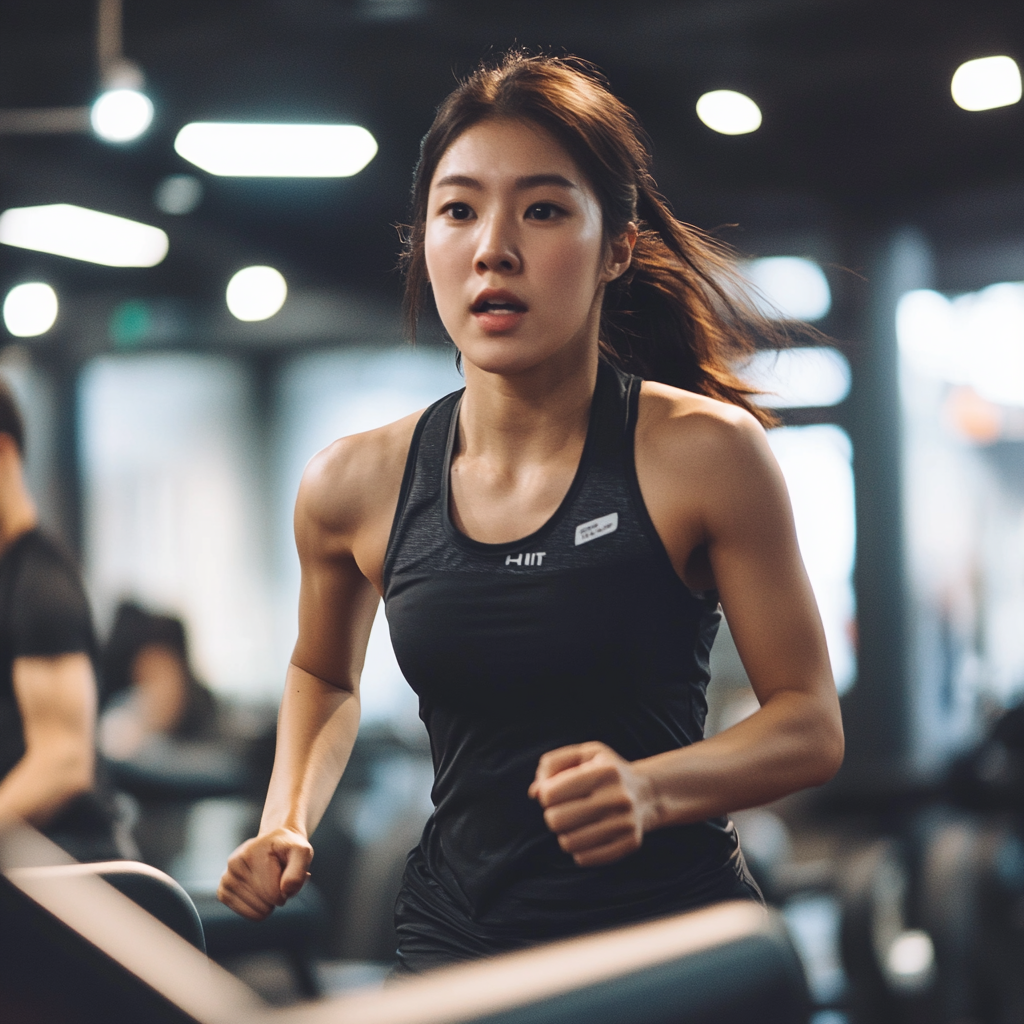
(499, 307)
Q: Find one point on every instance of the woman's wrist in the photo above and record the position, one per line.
(649, 795)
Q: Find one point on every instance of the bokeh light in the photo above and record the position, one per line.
(986, 83)
(729, 112)
(121, 115)
(256, 293)
(30, 309)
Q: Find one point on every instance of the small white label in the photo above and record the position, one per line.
(587, 532)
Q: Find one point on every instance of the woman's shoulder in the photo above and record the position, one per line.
(356, 476)
(702, 458)
(684, 424)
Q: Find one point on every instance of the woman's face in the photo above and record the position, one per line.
(515, 248)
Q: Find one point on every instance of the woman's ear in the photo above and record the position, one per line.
(619, 253)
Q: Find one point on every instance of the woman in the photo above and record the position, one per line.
(552, 544)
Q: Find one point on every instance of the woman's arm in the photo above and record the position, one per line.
(319, 715)
(736, 509)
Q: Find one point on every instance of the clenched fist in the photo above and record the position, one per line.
(265, 872)
(596, 802)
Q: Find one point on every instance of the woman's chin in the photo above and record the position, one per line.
(510, 355)
(514, 360)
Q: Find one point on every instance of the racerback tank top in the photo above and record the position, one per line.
(580, 631)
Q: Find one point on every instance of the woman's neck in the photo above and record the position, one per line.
(526, 416)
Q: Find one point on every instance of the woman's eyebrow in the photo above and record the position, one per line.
(463, 180)
(521, 184)
(534, 180)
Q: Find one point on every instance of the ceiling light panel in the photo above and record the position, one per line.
(986, 83)
(276, 150)
(82, 234)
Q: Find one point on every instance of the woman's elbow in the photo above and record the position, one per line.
(829, 748)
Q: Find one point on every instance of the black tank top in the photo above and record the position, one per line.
(580, 631)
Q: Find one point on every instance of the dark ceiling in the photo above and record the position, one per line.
(858, 118)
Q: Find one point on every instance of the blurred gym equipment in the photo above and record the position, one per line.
(153, 890)
(76, 951)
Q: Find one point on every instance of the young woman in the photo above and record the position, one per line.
(552, 544)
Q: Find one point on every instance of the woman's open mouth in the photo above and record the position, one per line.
(498, 310)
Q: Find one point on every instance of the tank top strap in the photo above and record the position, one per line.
(615, 413)
(423, 478)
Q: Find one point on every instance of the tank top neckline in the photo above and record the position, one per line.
(579, 478)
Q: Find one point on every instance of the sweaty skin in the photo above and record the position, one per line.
(518, 262)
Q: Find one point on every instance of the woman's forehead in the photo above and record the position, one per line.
(498, 149)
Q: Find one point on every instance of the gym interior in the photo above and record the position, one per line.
(184, 331)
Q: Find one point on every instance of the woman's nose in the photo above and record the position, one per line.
(497, 250)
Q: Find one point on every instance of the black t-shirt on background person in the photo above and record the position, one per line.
(44, 613)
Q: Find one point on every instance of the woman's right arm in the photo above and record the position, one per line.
(319, 714)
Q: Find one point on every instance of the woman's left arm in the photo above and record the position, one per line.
(737, 512)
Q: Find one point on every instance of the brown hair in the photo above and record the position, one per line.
(681, 314)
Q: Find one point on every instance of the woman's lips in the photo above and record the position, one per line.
(498, 319)
(498, 311)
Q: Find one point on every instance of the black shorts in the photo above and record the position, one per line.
(434, 930)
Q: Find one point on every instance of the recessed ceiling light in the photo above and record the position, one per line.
(986, 83)
(277, 150)
(30, 309)
(81, 234)
(120, 115)
(728, 112)
(178, 194)
(256, 293)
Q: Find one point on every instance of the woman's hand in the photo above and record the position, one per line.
(597, 804)
(265, 872)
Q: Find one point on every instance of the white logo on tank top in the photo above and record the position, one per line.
(526, 558)
(587, 532)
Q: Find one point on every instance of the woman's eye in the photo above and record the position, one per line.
(459, 211)
(542, 211)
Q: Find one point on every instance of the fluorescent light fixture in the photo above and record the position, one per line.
(30, 309)
(794, 378)
(986, 83)
(976, 340)
(82, 234)
(277, 150)
(120, 115)
(728, 112)
(256, 293)
(793, 288)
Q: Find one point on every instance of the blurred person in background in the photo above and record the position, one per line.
(150, 689)
(552, 544)
(167, 739)
(48, 695)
